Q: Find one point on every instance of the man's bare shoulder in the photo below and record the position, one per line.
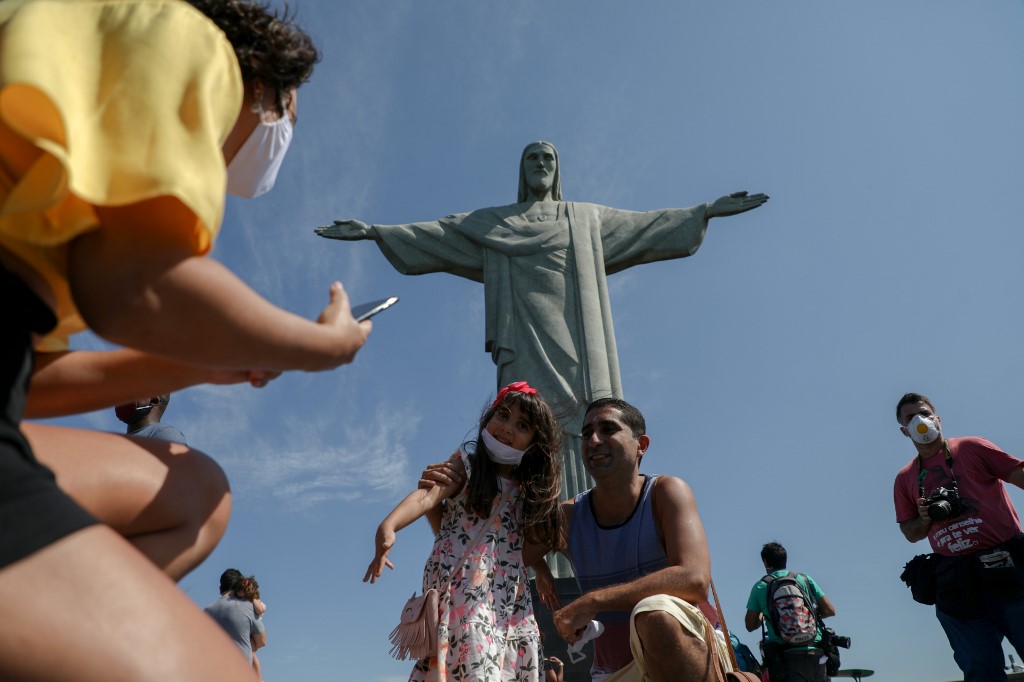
(669, 486)
(671, 497)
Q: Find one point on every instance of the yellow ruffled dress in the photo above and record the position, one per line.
(109, 103)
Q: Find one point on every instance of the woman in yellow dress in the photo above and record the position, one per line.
(122, 122)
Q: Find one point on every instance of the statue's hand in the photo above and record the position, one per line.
(737, 202)
(349, 230)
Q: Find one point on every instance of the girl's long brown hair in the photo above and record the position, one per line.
(540, 470)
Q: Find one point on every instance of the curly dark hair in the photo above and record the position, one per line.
(271, 49)
(247, 588)
(540, 471)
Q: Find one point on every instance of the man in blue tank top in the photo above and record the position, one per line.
(637, 546)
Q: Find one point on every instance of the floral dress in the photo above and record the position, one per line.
(486, 626)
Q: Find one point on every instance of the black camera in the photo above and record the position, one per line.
(944, 503)
(830, 640)
(830, 643)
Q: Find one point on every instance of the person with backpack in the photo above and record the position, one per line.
(789, 607)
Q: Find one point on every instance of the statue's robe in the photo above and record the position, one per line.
(549, 320)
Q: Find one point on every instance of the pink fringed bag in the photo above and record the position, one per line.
(415, 636)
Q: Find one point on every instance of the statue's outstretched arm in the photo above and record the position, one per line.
(348, 230)
(737, 202)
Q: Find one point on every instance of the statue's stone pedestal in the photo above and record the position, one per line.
(554, 645)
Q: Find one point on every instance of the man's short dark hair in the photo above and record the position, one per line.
(228, 580)
(774, 556)
(912, 399)
(631, 416)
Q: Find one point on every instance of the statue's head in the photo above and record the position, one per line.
(538, 171)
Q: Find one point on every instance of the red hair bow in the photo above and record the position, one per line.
(518, 387)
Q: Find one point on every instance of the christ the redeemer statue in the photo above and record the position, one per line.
(544, 264)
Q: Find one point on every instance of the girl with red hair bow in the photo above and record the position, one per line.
(486, 627)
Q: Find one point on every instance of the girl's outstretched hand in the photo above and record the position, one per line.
(385, 541)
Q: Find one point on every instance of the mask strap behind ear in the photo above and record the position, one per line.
(257, 100)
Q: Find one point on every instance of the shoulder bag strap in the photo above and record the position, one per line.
(473, 543)
(725, 629)
(736, 675)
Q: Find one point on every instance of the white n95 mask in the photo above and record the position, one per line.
(254, 169)
(922, 429)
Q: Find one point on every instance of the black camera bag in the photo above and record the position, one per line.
(919, 575)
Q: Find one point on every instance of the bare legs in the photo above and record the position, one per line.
(96, 591)
(170, 501)
(672, 653)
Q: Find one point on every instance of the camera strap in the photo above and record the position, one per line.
(922, 472)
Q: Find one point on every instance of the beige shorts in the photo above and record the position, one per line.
(688, 615)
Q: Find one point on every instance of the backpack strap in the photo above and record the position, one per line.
(767, 580)
(812, 601)
(806, 592)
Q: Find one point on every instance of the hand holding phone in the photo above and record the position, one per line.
(365, 311)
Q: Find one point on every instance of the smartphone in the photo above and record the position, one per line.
(365, 311)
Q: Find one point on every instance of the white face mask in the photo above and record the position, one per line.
(923, 430)
(499, 452)
(254, 169)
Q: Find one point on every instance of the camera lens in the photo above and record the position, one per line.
(939, 510)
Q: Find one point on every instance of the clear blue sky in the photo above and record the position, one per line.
(889, 136)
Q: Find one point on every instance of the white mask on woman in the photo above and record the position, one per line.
(254, 169)
(499, 452)
(922, 429)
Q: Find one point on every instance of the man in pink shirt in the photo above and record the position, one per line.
(952, 493)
